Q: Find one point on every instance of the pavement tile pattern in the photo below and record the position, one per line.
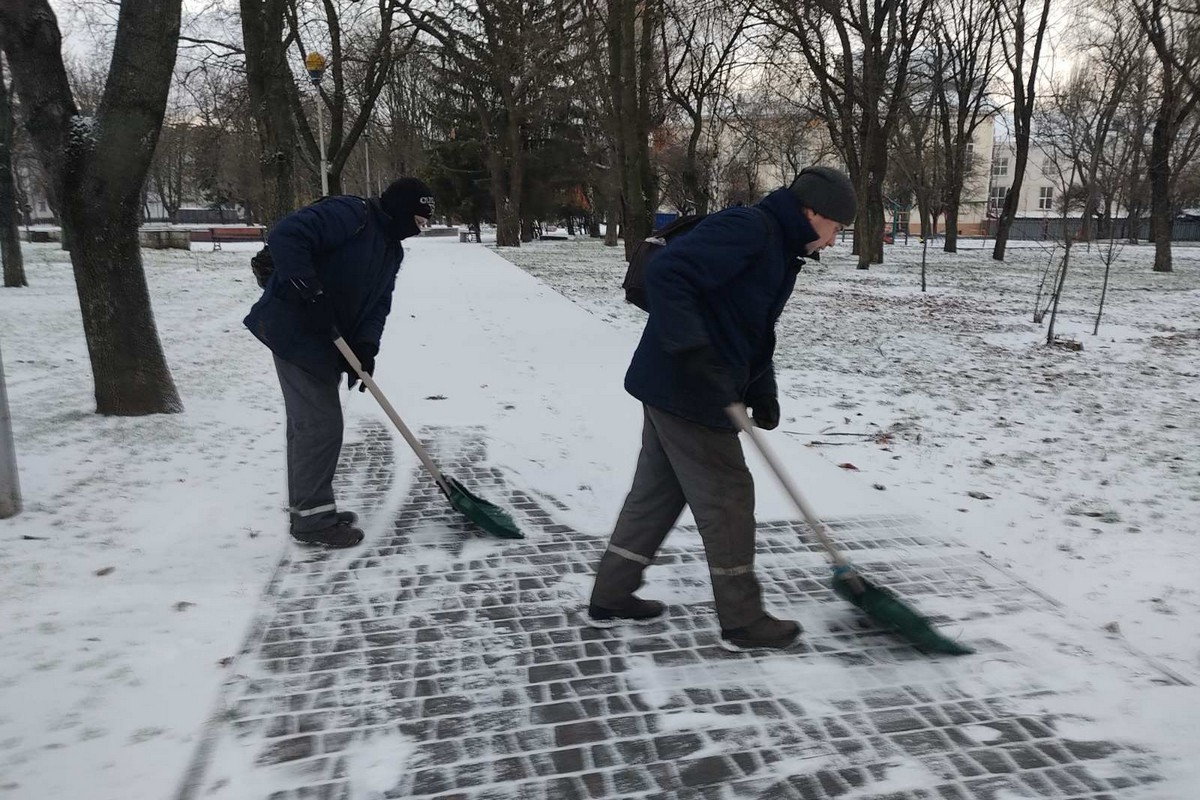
(434, 662)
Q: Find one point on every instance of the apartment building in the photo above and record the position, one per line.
(1040, 190)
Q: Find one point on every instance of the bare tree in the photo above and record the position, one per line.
(10, 236)
(635, 86)
(1173, 35)
(965, 63)
(270, 85)
(1089, 107)
(699, 48)
(98, 165)
(604, 131)
(917, 162)
(775, 115)
(859, 57)
(172, 166)
(1019, 32)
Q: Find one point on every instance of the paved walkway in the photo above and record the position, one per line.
(434, 662)
(451, 666)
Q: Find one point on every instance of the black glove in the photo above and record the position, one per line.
(317, 306)
(765, 411)
(366, 352)
(705, 364)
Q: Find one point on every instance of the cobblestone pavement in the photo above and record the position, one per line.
(435, 663)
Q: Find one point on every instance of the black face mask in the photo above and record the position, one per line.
(403, 200)
(402, 227)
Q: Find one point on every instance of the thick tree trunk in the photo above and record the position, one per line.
(269, 82)
(1160, 189)
(98, 166)
(10, 235)
(630, 79)
(128, 364)
(952, 227)
(506, 189)
(612, 230)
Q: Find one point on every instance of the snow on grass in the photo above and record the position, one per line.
(1086, 459)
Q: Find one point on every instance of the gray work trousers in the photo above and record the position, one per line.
(682, 463)
(314, 442)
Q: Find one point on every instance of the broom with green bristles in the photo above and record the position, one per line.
(488, 516)
(877, 602)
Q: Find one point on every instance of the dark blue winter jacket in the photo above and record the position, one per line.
(724, 283)
(343, 243)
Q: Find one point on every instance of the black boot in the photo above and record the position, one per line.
(636, 611)
(765, 632)
(339, 534)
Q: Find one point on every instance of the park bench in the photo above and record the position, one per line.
(233, 235)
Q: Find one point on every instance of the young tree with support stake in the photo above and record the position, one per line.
(10, 491)
(98, 166)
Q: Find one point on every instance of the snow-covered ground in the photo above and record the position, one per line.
(136, 567)
(1087, 458)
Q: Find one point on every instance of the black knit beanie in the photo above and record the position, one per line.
(828, 192)
(404, 199)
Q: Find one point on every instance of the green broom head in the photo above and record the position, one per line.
(884, 607)
(488, 516)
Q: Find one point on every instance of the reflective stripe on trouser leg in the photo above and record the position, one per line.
(314, 441)
(714, 478)
(651, 509)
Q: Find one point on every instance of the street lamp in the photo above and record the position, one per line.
(314, 64)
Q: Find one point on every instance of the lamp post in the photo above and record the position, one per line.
(10, 491)
(314, 64)
(367, 150)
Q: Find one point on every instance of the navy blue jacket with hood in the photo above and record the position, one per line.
(346, 243)
(724, 284)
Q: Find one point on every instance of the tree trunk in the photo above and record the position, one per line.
(98, 167)
(10, 236)
(612, 228)
(127, 358)
(631, 68)
(952, 226)
(1160, 188)
(269, 82)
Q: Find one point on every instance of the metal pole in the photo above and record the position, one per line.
(324, 166)
(367, 150)
(10, 490)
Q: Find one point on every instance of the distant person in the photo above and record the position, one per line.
(335, 264)
(714, 294)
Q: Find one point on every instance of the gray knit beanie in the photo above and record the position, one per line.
(828, 192)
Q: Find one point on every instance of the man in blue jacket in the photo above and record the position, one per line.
(714, 295)
(335, 266)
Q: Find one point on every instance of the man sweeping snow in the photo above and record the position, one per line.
(714, 295)
(335, 265)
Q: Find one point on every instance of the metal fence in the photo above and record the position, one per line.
(1050, 229)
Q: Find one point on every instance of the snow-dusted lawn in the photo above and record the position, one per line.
(107, 678)
(1088, 457)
